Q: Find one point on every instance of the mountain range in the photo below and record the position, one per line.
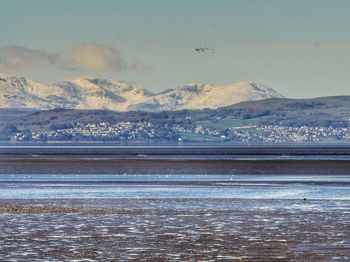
(98, 93)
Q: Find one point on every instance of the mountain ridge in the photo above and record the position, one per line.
(99, 93)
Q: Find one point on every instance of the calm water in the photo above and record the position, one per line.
(175, 186)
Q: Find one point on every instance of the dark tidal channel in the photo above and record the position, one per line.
(78, 165)
(78, 159)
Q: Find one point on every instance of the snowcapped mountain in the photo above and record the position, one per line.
(94, 93)
(200, 96)
(85, 93)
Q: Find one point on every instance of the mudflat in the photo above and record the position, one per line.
(175, 230)
(182, 166)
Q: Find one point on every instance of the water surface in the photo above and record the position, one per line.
(175, 186)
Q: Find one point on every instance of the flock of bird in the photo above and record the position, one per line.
(205, 49)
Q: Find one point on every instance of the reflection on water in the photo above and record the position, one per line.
(175, 186)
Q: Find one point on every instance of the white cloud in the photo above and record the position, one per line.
(91, 57)
(97, 57)
(15, 57)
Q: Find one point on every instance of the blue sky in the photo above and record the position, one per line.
(300, 48)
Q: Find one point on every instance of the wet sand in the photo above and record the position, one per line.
(219, 159)
(175, 230)
(149, 166)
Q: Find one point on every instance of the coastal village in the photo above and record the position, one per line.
(148, 132)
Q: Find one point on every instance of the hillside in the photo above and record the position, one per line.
(276, 119)
(323, 111)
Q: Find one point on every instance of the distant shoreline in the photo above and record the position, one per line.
(163, 149)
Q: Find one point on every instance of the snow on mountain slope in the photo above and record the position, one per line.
(200, 96)
(94, 93)
(85, 93)
(18, 92)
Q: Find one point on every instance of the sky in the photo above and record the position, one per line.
(301, 48)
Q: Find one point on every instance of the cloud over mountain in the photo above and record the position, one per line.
(97, 57)
(14, 57)
(84, 57)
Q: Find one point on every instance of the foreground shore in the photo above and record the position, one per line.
(175, 230)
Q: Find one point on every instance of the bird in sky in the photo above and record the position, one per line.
(205, 49)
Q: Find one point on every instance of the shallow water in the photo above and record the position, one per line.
(175, 186)
(171, 177)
